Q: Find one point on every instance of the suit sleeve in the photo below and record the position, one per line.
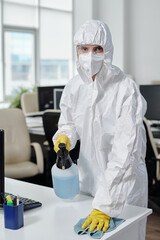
(120, 174)
(66, 125)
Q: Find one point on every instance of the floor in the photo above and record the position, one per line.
(153, 227)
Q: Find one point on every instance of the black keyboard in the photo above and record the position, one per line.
(27, 203)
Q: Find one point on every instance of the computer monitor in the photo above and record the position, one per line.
(57, 93)
(2, 179)
(151, 93)
(46, 97)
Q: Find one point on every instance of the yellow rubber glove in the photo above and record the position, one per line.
(62, 139)
(97, 219)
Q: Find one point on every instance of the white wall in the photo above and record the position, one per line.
(135, 29)
(111, 12)
(142, 39)
(82, 11)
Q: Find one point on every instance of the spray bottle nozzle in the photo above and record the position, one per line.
(62, 146)
(63, 158)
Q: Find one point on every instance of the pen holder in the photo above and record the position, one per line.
(13, 216)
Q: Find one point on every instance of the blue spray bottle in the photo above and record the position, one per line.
(65, 176)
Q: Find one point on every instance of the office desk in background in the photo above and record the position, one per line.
(34, 121)
(157, 141)
(156, 135)
(56, 218)
(155, 130)
(35, 125)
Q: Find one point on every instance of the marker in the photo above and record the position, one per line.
(17, 200)
(9, 203)
(8, 198)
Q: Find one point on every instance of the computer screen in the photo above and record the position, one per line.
(57, 93)
(151, 93)
(46, 97)
(1, 166)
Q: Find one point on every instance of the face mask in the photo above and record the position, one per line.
(91, 63)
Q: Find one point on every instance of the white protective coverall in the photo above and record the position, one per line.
(107, 116)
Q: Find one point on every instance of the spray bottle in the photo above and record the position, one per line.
(65, 176)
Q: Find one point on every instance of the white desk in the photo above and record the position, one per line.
(56, 218)
(35, 125)
(157, 141)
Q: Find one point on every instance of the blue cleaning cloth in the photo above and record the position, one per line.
(114, 222)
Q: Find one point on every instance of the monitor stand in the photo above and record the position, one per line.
(1, 167)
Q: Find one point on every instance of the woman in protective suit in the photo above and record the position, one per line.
(104, 109)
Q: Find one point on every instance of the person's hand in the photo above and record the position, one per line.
(97, 219)
(62, 139)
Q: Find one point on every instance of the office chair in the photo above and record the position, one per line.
(18, 162)
(50, 124)
(29, 102)
(153, 169)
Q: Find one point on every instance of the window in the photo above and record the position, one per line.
(19, 60)
(56, 46)
(54, 70)
(36, 44)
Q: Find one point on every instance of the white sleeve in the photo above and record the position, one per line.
(66, 125)
(120, 175)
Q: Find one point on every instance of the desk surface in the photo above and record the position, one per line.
(56, 218)
(35, 125)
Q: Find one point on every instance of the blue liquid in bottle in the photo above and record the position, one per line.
(66, 187)
(65, 175)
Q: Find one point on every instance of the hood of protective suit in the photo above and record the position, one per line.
(94, 32)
